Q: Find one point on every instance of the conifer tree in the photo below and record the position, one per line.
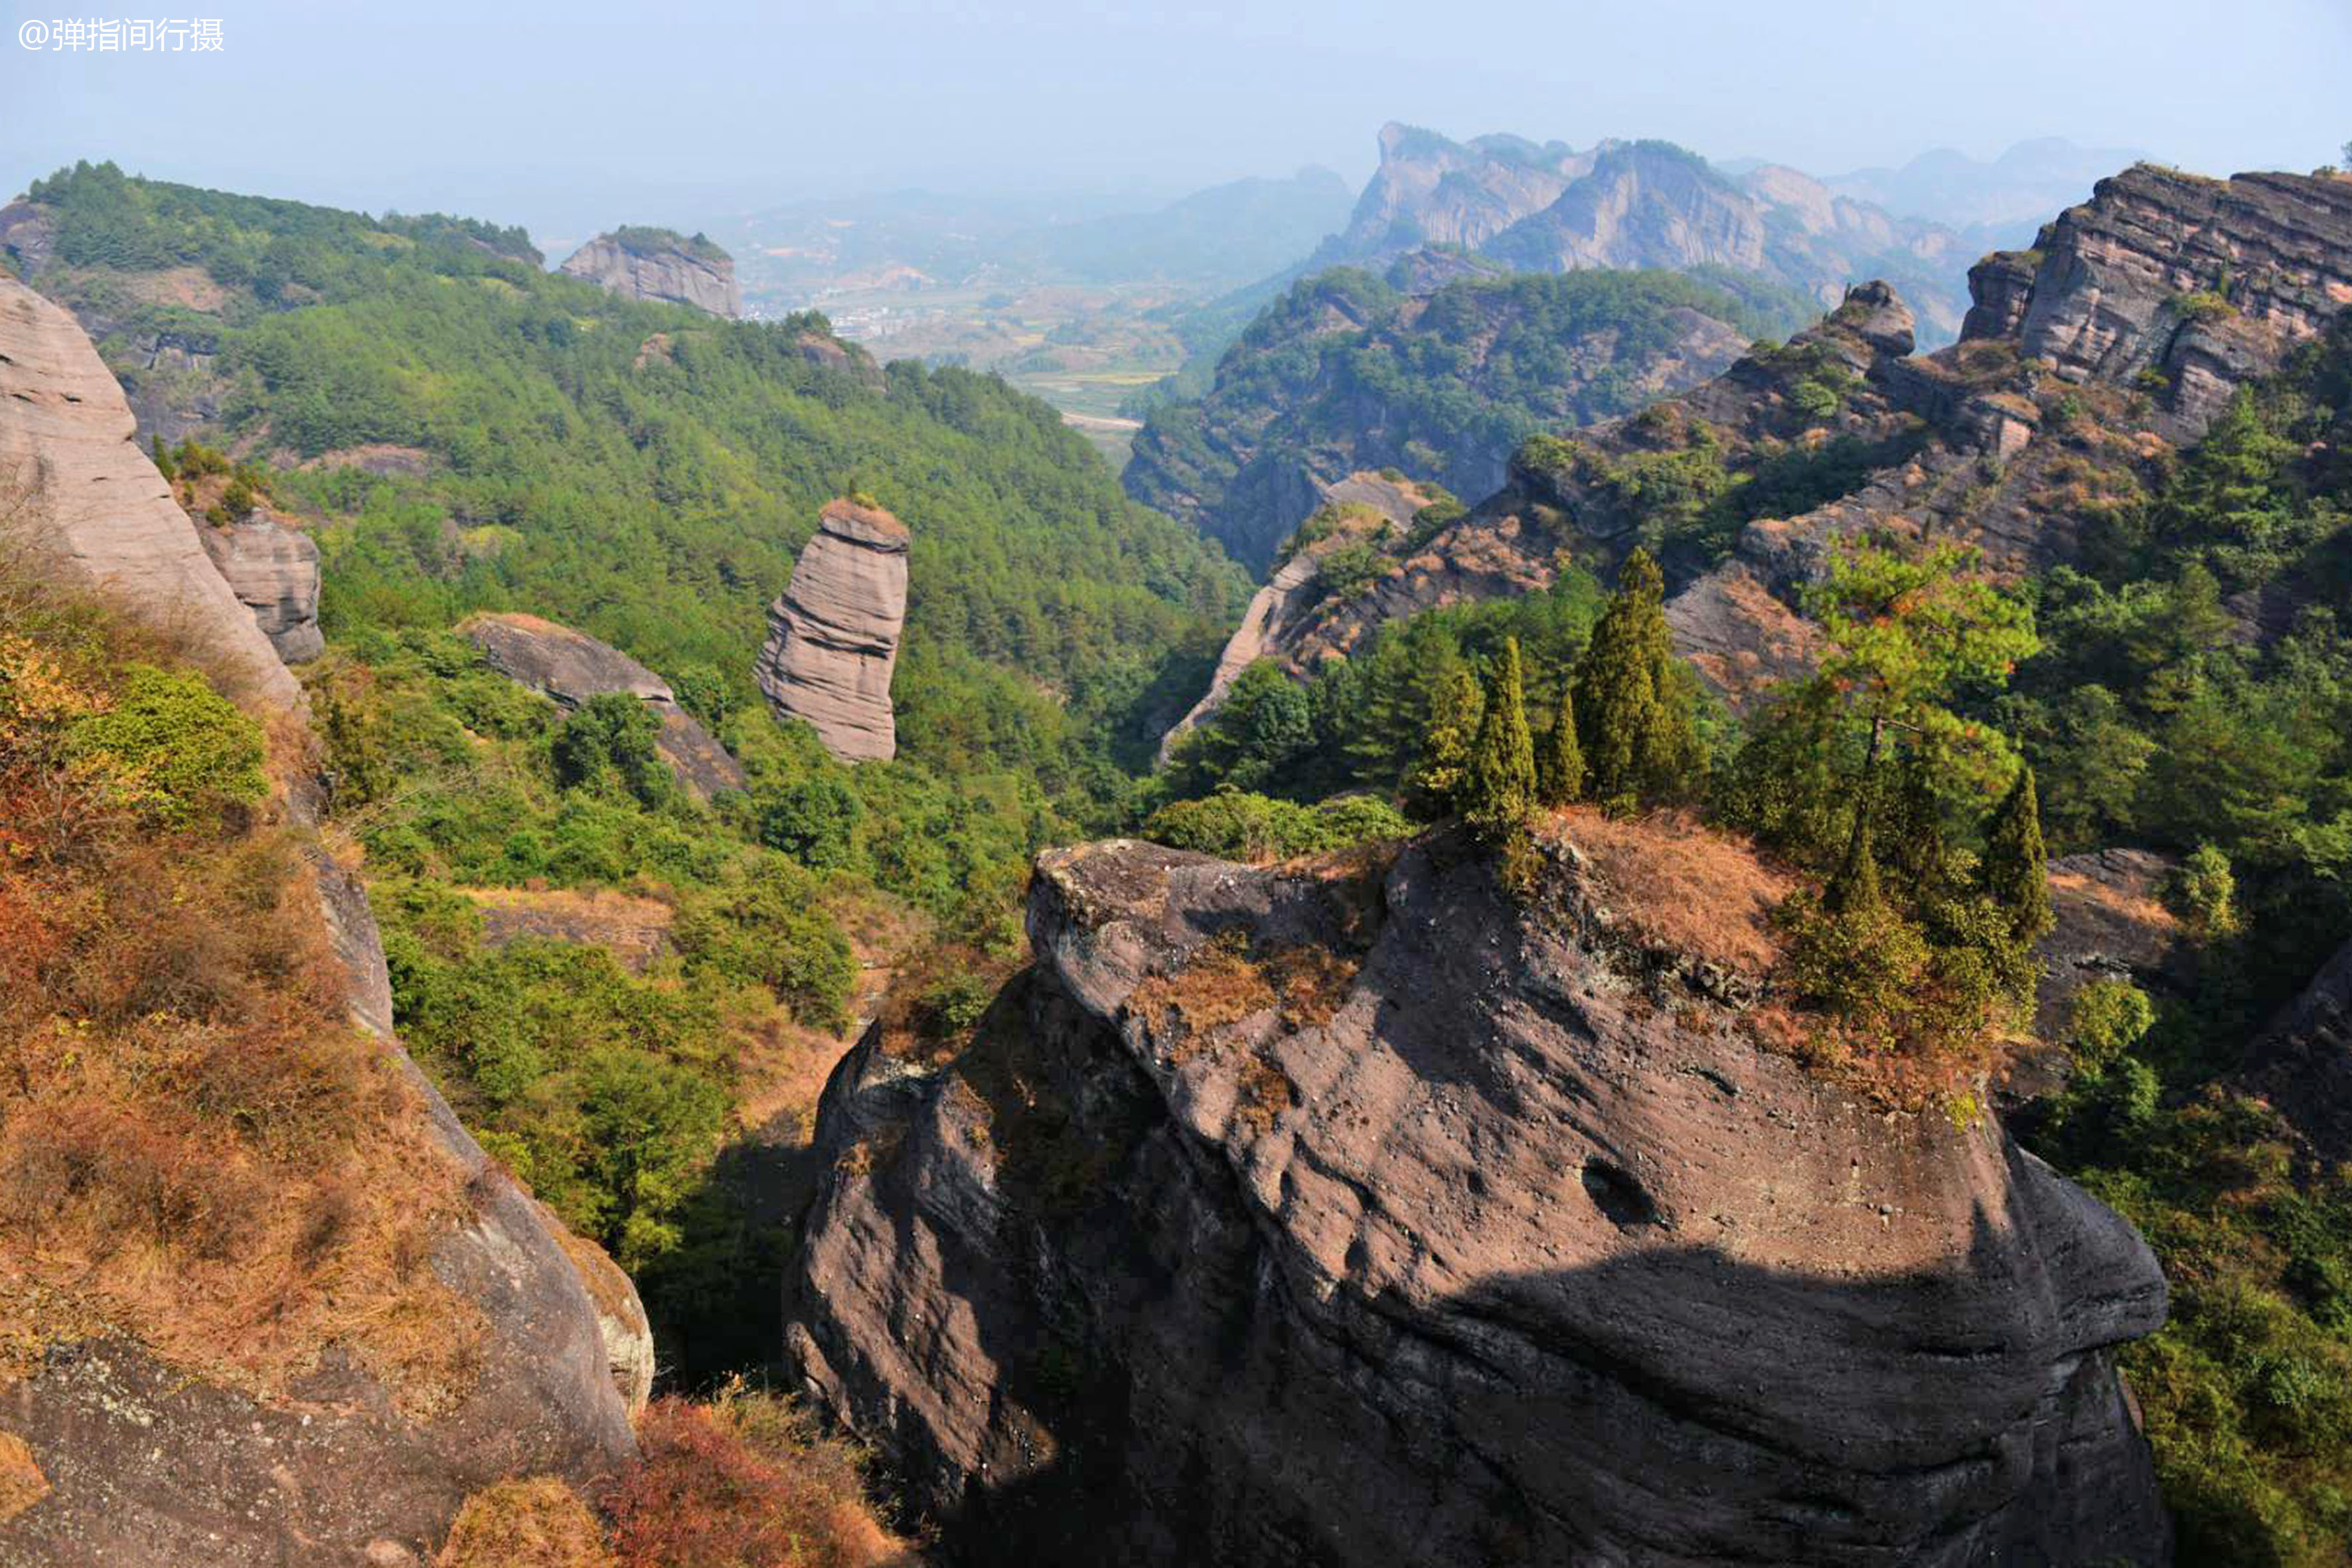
(1633, 713)
(1453, 723)
(2016, 873)
(1853, 890)
(1498, 788)
(1559, 761)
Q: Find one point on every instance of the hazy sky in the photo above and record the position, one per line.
(586, 114)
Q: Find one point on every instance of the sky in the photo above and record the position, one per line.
(573, 118)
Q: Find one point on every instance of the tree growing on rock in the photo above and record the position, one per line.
(1633, 702)
(1499, 786)
(1559, 761)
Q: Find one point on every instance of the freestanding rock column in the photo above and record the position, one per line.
(832, 637)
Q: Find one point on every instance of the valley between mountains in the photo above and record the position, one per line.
(1662, 880)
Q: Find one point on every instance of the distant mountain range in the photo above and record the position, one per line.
(2002, 201)
(1550, 207)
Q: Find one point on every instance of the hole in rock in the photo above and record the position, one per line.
(1622, 1200)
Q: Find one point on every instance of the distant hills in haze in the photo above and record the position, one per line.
(2003, 199)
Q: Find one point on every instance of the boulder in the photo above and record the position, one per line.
(659, 265)
(1360, 1213)
(273, 570)
(832, 636)
(569, 667)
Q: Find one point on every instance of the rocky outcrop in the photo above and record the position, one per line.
(832, 637)
(659, 263)
(273, 570)
(1358, 1213)
(1640, 204)
(76, 487)
(2088, 364)
(569, 667)
(1279, 610)
(2303, 1064)
(150, 1461)
(2200, 284)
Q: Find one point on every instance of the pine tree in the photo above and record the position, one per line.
(1454, 724)
(1633, 711)
(1498, 789)
(1559, 761)
(2016, 874)
(1853, 890)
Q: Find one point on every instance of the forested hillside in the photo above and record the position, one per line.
(1346, 370)
(613, 980)
(478, 433)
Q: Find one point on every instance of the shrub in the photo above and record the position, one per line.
(770, 930)
(2106, 1018)
(609, 741)
(745, 1481)
(173, 746)
(535, 1524)
(1236, 825)
(812, 820)
(2204, 893)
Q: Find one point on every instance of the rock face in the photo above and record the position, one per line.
(274, 572)
(2087, 365)
(1279, 609)
(832, 637)
(72, 481)
(1351, 1215)
(569, 667)
(2304, 1064)
(2203, 282)
(144, 1462)
(1640, 204)
(658, 264)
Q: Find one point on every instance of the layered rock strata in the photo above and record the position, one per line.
(2087, 365)
(273, 570)
(1360, 1213)
(74, 487)
(657, 265)
(832, 636)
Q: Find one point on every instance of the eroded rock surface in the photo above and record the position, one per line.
(2303, 1065)
(569, 667)
(73, 486)
(273, 570)
(832, 636)
(657, 263)
(1347, 1214)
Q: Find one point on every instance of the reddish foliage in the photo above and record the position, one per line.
(745, 1481)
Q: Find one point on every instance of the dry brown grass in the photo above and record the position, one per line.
(535, 1524)
(21, 1482)
(197, 1148)
(746, 1481)
(1684, 886)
